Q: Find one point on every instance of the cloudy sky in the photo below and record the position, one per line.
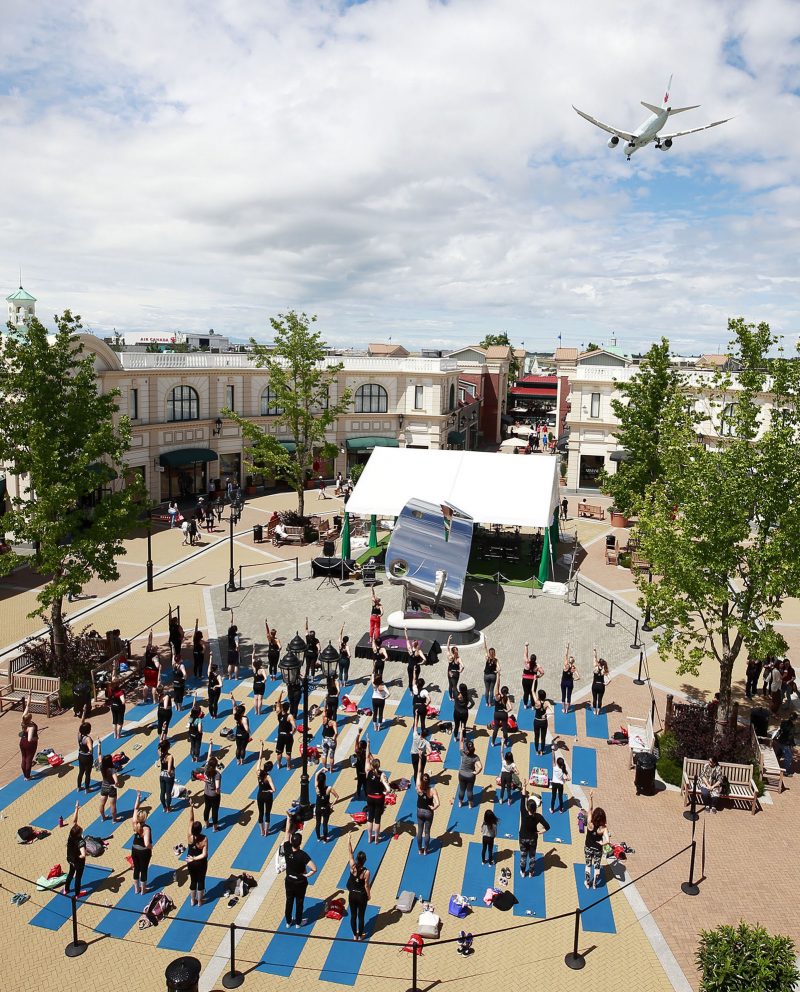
(403, 168)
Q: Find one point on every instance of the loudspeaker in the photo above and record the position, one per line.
(328, 549)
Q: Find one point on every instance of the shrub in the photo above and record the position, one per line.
(746, 959)
(624, 559)
(670, 770)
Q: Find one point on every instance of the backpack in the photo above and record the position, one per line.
(334, 909)
(156, 910)
(25, 835)
(94, 847)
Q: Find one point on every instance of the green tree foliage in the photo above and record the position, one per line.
(591, 346)
(721, 527)
(491, 340)
(60, 436)
(746, 959)
(645, 400)
(303, 385)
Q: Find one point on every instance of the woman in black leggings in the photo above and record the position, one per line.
(212, 792)
(76, 854)
(323, 805)
(163, 713)
(541, 709)
(599, 676)
(85, 756)
(299, 868)
(142, 849)
(460, 711)
(196, 858)
(265, 793)
(377, 787)
(358, 886)
(214, 690)
(241, 734)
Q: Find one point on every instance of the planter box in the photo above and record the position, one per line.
(619, 519)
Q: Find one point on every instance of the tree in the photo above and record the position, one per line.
(721, 526)
(59, 435)
(493, 340)
(591, 346)
(301, 383)
(746, 959)
(645, 399)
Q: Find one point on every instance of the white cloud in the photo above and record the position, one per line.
(400, 167)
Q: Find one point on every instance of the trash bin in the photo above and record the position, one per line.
(183, 975)
(645, 779)
(258, 533)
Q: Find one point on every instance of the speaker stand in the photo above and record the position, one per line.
(328, 580)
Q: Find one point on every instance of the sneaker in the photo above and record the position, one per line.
(522, 873)
(587, 883)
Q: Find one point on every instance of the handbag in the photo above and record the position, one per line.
(390, 799)
(429, 923)
(55, 872)
(359, 817)
(54, 760)
(490, 895)
(435, 757)
(280, 860)
(539, 777)
(458, 906)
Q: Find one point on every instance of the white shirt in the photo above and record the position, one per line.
(557, 776)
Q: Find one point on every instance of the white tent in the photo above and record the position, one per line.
(492, 489)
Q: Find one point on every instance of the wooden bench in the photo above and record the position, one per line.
(593, 510)
(292, 535)
(640, 735)
(639, 563)
(740, 777)
(771, 770)
(44, 690)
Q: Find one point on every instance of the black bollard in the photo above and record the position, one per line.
(575, 959)
(76, 947)
(233, 978)
(639, 680)
(690, 888)
(414, 986)
(183, 975)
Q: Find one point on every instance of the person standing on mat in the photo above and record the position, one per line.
(109, 787)
(116, 703)
(76, 854)
(361, 757)
(286, 728)
(198, 650)
(455, 667)
(196, 857)
(142, 846)
(568, 675)
(379, 696)
(214, 691)
(530, 820)
(241, 733)
(326, 796)
(344, 657)
(28, 739)
(259, 685)
(359, 891)
(312, 650)
(531, 673)
(420, 749)
(502, 707)
(420, 700)
(377, 787)
(416, 659)
(273, 650)
(299, 868)
(265, 793)
(166, 776)
(470, 766)
(85, 755)
(596, 836)
(427, 804)
(379, 657)
(509, 773)
(179, 683)
(560, 776)
(599, 676)
(375, 617)
(488, 835)
(541, 710)
(164, 712)
(461, 705)
(330, 738)
(491, 673)
(212, 792)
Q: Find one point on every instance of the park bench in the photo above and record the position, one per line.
(44, 690)
(639, 563)
(593, 510)
(740, 777)
(292, 535)
(612, 550)
(771, 770)
(640, 736)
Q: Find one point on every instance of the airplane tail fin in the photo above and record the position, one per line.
(651, 107)
(680, 110)
(666, 93)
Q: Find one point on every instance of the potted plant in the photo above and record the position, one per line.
(562, 469)
(618, 518)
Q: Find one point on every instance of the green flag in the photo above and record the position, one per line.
(373, 532)
(544, 565)
(346, 536)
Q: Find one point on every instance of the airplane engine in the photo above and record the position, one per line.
(613, 141)
(666, 143)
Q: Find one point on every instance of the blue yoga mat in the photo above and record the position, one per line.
(594, 919)
(478, 877)
(225, 712)
(234, 773)
(19, 786)
(160, 822)
(377, 738)
(494, 758)
(255, 851)
(597, 726)
(143, 760)
(124, 916)
(125, 803)
(485, 713)
(375, 854)
(285, 947)
(541, 760)
(181, 934)
(184, 769)
(566, 723)
(419, 873)
(529, 891)
(560, 831)
(406, 811)
(464, 820)
(525, 719)
(405, 705)
(140, 711)
(59, 908)
(318, 850)
(584, 767)
(445, 709)
(452, 756)
(344, 960)
(65, 807)
(508, 818)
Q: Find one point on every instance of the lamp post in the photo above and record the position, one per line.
(149, 549)
(646, 625)
(233, 518)
(290, 666)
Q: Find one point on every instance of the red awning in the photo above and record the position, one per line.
(534, 392)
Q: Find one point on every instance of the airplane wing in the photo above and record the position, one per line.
(692, 130)
(607, 127)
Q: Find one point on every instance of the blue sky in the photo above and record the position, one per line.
(402, 168)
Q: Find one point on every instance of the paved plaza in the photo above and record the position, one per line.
(642, 937)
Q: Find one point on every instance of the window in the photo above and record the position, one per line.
(269, 403)
(371, 399)
(595, 409)
(183, 404)
(133, 405)
(418, 393)
(229, 398)
(323, 400)
(452, 404)
(727, 426)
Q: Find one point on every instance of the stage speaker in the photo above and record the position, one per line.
(328, 549)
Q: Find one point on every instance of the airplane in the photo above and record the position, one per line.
(649, 131)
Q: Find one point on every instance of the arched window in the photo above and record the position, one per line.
(269, 403)
(452, 405)
(371, 399)
(183, 404)
(727, 427)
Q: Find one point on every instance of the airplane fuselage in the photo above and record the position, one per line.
(647, 132)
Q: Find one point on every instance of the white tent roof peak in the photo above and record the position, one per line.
(492, 488)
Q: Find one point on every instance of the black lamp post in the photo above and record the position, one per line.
(233, 518)
(646, 625)
(149, 549)
(329, 662)
(219, 507)
(291, 666)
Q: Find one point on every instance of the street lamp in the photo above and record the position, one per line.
(646, 625)
(290, 666)
(234, 515)
(149, 549)
(329, 662)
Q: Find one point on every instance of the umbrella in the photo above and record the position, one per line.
(544, 565)
(373, 532)
(346, 537)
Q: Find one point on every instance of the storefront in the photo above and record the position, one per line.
(590, 468)
(230, 467)
(360, 448)
(186, 472)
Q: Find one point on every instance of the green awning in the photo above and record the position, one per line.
(185, 456)
(368, 443)
(106, 472)
(456, 437)
(290, 446)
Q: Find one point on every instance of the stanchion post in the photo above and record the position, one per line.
(575, 597)
(611, 615)
(233, 979)
(690, 888)
(414, 987)
(639, 680)
(297, 570)
(575, 959)
(691, 812)
(76, 947)
(636, 641)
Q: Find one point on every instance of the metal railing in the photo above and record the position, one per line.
(614, 608)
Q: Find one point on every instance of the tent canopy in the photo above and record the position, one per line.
(491, 489)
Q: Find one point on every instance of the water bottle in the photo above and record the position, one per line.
(61, 821)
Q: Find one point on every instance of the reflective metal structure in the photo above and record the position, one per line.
(428, 553)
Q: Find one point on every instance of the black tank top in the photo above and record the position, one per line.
(500, 711)
(241, 731)
(374, 784)
(329, 730)
(259, 681)
(213, 682)
(357, 882)
(540, 711)
(178, 680)
(83, 745)
(460, 707)
(593, 838)
(284, 724)
(323, 800)
(273, 651)
(424, 801)
(490, 666)
(264, 788)
(598, 678)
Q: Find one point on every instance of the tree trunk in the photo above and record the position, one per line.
(59, 635)
(301, 501)
(725, 678)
